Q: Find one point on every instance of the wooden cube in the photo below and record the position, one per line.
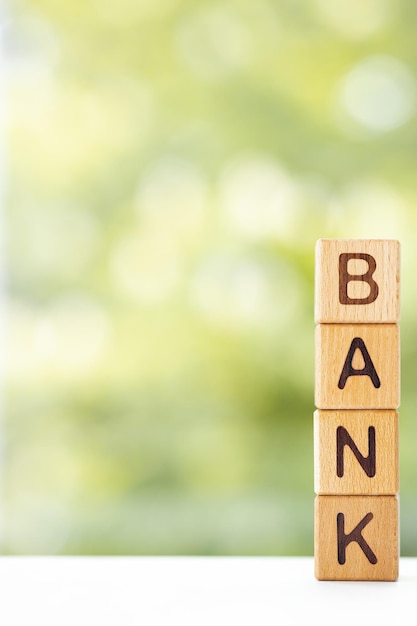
(356, 538)
(357, 366)
(356, 452)
(357, 281)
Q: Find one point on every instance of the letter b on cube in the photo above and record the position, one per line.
(357, 281)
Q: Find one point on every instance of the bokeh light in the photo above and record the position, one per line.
(166, 168)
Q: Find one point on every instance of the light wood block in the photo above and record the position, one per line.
(357, 366)
(365, 289)
(356, 538)
(356, 452)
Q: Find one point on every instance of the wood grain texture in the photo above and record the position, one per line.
(341, 296)
(334, 343)
(337, 469)
(362, 530)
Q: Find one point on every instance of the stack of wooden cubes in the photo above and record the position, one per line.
(357, 394)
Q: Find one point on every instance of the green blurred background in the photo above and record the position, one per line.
(169, 165)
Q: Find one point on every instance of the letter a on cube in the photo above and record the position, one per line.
(357, 366)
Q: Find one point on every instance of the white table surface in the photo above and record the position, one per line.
(127, 591)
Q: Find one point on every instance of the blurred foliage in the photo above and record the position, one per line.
(169, 166)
